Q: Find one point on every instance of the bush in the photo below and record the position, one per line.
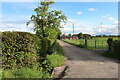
(116, 46)
(19, 49)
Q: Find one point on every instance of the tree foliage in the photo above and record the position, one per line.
(80, 35)
(46, 24)
(44, 18)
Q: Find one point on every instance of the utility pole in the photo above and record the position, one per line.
(73, 31)
(101, 28)
(73, 28)
(63, 30)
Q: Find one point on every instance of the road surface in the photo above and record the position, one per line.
(84, 63)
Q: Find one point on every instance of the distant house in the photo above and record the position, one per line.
(87, 35)
(69, 37)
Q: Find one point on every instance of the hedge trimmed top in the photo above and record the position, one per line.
(19, 49)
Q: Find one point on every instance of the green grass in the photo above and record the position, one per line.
(110, 54)
(101, 42)
(57, 58)
(24, 73)
(0, 74)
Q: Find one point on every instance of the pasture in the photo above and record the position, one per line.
(94, 43)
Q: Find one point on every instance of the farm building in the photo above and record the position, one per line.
(69, 37)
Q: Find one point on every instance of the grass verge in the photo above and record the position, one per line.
(110, 54)
(24, 73)
(57, 57)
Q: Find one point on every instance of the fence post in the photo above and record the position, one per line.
(102, 44)
(85, 42)
(95, 44)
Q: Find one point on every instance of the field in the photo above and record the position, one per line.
(94, 43)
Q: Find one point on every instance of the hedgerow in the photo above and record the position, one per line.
(23, 50)
(116, 46)
(19, 49)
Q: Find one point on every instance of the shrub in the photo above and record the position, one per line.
(116, 46)
(19, 49)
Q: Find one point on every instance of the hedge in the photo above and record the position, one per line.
(116, 46)
(19, 49)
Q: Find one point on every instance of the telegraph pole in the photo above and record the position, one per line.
(64, 30)
(101, 28)
(73, 28)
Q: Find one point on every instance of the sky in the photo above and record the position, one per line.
(86, 16)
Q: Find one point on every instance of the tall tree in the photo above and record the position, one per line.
(45, 19)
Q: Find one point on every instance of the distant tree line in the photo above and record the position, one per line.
(83, 36)
(80, 35)
(107, 36)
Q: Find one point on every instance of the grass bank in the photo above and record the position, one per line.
(110, 54)
(57, 57)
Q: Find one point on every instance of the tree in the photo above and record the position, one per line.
(43, 20)
(80, 35)
(69, 35)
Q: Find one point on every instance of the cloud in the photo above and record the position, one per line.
(106, 29)
(105, 16)
(71, 20)
(68, 30)
(9, 25)
(110, 18)
(92, 9)
(17, 27)
(117, 22)
(79, 12)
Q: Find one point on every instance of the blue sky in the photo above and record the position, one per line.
(87, 16)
